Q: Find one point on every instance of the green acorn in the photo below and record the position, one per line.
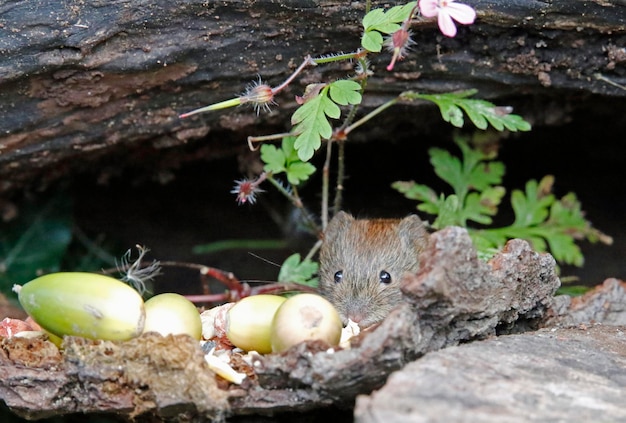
(83, 304)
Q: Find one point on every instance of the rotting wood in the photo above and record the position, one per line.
(85, 81)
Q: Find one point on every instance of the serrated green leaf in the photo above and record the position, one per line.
(411, 190)
(564, 249)
(477, 119)
(530, 208)
(479, 207)
(448, 212)
(345, 92)
(415, 191)
(311, 123)
(485, 175)
(447, 167)
(378, 22)
(286, 160)
(452, 113)
(546, 223)
(299, 172)
(296, 270)
(273, 158)
(480, 112)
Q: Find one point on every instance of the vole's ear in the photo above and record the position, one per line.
(338, 225)
(412, 231)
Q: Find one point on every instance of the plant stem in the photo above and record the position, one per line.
(326, 183)
(370, 115)
(221, 105)
(337, 57)
(295, 199)
(261, 138)
(308, 61)
(341, 176)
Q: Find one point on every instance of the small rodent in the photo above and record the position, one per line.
(362, 261)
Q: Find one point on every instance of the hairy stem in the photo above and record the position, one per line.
(370, 115)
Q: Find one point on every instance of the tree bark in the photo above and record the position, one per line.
(83, 82)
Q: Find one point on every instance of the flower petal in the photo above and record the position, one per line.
(429, 8)
(461, 13)
(446, 24)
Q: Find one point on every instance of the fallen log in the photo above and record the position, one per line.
(92, 83)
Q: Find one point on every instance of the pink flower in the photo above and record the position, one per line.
(446, 11)
(399, 43)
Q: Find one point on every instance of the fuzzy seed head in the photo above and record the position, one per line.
(246, 190)
(260, 95)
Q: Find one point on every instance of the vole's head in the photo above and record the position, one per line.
(362, 261)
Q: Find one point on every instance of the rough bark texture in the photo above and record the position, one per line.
(454, 298)
(443, 308)
(559, 375)
(87, 80)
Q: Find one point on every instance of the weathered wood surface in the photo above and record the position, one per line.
(443, 308)
(558, 375)
(91, 79)
(454, 298)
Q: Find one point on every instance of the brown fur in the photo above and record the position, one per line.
(361, 249)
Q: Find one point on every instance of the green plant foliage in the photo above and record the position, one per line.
(573, 290)
(296, 270)
(474, 180)
(482, 113)
(239, 244)
(311, 119)
(378, 22)
(548, 223)
(285, 159)
(36, 241)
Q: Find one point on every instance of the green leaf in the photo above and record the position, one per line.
(311, 119)
(378, 22)
(474, 171)
(482, 113)
(372, 41)
(345, 92)
(36, 241)
(479, 207)
(573, 290)
(273, 158)
(299, 172)
(448, 212)
(546, 223)
(447, 167)
(286, 160)
(296, 270)
(413, 191)
(311, 124)
(563, 248)
(532, 207)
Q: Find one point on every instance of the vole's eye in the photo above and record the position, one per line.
(339, 276)
(384, 276)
